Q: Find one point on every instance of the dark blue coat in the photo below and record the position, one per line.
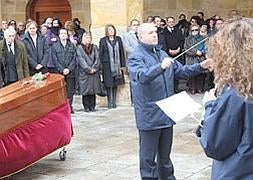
(36, 55)
(150, 83)
(227, 136)
(64, 57)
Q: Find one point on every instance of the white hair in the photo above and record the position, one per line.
(144, 27)
(8, 31)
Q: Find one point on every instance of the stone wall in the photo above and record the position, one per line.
(120, 12)
(81, 9)
(12, 9)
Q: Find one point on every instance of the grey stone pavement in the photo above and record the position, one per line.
(105, 147)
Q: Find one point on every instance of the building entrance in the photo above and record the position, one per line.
(39, 10)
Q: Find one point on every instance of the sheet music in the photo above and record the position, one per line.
(178, 106)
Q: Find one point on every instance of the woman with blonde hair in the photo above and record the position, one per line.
(227, 132)
(89, 64)
(37, 48)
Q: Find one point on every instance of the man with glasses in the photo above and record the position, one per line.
(194, 56)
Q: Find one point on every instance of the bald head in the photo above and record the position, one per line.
(147, 34)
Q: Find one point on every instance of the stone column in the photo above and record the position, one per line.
(134, 10)
(1, 16)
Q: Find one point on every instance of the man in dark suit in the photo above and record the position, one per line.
(64, 58)
(174, 41)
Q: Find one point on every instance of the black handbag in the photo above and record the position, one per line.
(103, 90)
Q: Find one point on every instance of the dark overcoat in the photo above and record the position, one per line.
(36, 55)
(89, 84)
(105, 60)
(64, 57)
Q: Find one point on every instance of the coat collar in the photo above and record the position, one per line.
(151, 48)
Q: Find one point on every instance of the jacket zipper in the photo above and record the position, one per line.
(164, 80)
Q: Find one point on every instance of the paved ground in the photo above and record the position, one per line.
(105, 147)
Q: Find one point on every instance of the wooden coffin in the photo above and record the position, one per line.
(25, 101)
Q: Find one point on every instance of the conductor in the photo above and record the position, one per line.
(152, 75)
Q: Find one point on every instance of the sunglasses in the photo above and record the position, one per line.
(194, 30)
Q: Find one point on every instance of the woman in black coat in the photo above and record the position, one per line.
(37, 49)
(111, 54)
(89, 64)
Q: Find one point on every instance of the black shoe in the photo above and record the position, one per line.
(114, 106)
(196, 132)
(92, 109)
(110, 106)
(86, 109)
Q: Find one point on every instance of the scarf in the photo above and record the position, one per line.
(113, 48)
(87, 48)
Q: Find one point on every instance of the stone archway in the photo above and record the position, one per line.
(38, 10)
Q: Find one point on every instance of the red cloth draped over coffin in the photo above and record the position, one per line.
(35, 120)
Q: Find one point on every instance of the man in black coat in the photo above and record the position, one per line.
(64, 58)
(174, 41)
(37, 49)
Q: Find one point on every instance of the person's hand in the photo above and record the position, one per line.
(172, 52)
(93, 71)
(38, 67)
(199, 53)
(66, 71)
(177, 50)
(71, 38)
(166, 62)
(209, 96)
(207, 64)
(53, 39)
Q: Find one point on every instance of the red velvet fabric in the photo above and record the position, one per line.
(28, 144)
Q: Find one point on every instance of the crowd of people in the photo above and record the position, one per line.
(159, 53)
(85, 65)
(27, 49)
(68, 49)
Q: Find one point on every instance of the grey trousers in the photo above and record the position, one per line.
(155, 148)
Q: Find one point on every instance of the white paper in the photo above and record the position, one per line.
(178, 106)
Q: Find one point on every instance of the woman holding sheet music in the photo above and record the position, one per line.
(227, 132)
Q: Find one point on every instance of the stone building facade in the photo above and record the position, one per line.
(120, 12)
